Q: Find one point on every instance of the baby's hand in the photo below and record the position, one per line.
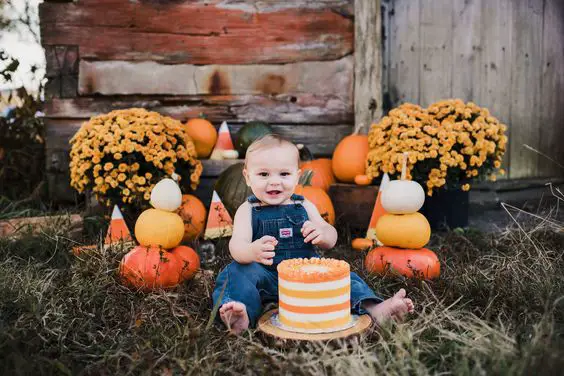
(312, 233)
(263, 249)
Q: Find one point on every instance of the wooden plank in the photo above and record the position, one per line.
(436, 65)
(525, 86)
(404, 52)
(201, 33)
(367, 63)
(302, 108)
(279, 335)
(496, 63)
(16, 227)
(466, 48)
(552, 102)
(320, 139)
(114, 77)
(61, 71)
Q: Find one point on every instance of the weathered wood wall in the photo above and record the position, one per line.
(506, 55)
(289, 63)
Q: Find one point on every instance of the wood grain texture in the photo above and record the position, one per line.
(266, 326)
(300, 108)
(493, 86)
(61, 71)
(226, 32)
(126, 78)
(527, 55)
(404, 52)
(367, 63)
(320, 139)
(436, 63)
(552, 101)
(504, 55)
(466, 50)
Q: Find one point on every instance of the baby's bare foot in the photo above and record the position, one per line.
(393, 308)
(234, 316)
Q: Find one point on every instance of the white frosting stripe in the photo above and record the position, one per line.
(314, 302)
(315, 286)
(317, 317)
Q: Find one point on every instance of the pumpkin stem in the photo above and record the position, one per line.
(357, 128)
(202, 116)
(305, 179)
(305, 154)
(404, 165)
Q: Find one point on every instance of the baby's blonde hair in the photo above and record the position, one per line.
(269, 141)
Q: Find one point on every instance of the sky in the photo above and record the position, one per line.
(21, 45)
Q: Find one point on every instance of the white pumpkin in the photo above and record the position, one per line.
(402, 197)
(166, 195)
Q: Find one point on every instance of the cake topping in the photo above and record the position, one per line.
(313, 270)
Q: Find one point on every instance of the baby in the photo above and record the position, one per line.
(258, 245)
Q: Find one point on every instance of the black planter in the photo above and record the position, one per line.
(446, 209)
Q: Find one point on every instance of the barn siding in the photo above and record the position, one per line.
(506, 55)
(289, 63)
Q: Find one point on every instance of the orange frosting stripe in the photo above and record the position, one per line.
(291, 270)
(315, 294)
(315, 325)
(321, 309)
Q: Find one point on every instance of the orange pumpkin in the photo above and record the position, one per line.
(322, 168)
(159, 228)
(188, 261)
(317, 196)
(194, 214)
(362, 180)
(204, 135)
(407, 262)
(149, 268)
(409, 231)
(362, 244)
(349, 157)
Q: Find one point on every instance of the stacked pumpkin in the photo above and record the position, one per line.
(160, 261)
(404, 232)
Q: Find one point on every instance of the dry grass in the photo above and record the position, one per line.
(497, 309)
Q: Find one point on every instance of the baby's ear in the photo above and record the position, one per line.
(246, 176)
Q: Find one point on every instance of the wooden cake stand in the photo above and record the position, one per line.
(266, 326)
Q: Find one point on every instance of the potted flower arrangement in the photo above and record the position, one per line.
(450, 145)
(120, 156)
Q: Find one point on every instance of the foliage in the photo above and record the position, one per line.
(121, 155)
(450, 144)
(496, 309)
(22, 149)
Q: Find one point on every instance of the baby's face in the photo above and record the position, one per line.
(272, 173)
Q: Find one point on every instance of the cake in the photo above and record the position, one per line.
(314, 295)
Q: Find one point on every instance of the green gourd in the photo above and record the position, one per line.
(250, 132)
(232, 188)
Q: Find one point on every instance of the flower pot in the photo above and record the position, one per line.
(447, 209)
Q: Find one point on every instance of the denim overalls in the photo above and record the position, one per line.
(254, 284)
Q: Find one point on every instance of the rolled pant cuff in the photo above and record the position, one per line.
(357, 306)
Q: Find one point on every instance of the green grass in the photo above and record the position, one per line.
(498, 308)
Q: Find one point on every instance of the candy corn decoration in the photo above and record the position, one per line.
(117, 231)
(223, 148)
(378, 209)
(219, 223)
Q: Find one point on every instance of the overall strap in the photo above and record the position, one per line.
(253, 200)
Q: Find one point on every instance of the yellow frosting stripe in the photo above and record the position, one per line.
(335, 323)
(314, 294)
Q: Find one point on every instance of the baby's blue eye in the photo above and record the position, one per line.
(285, 174)
(263, 174)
